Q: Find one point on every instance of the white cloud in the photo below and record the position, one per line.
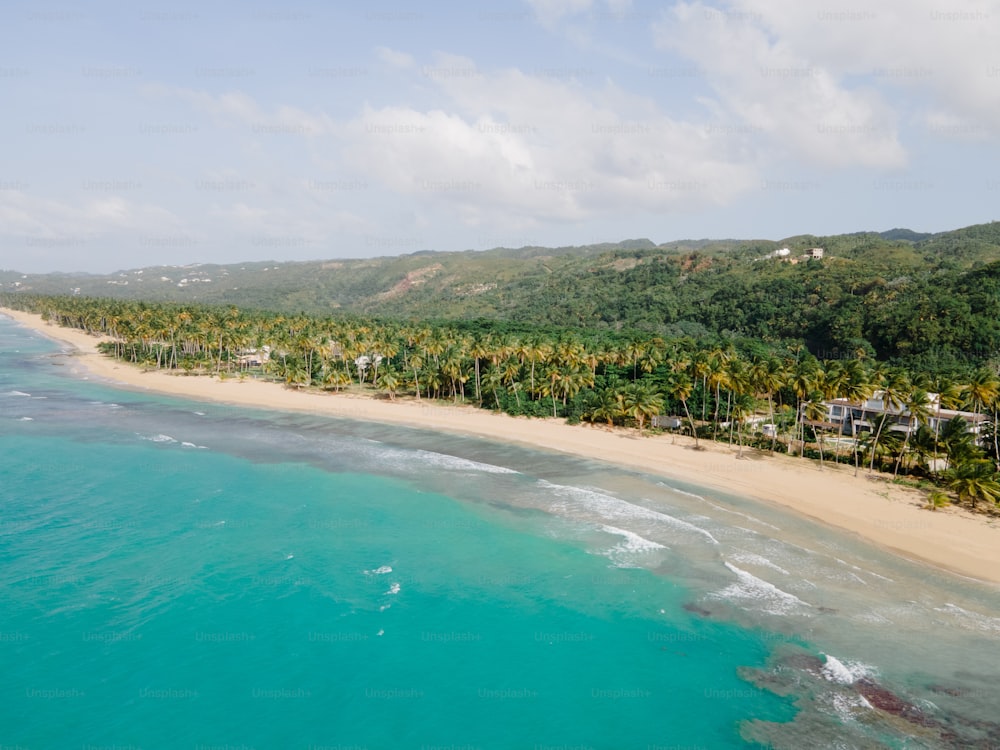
(394, 58)
(858, 60)
(243, 109)
(536, 149)
(34, 217)
(297, 222)
(788, 96)
(40, 232)
(549, 12)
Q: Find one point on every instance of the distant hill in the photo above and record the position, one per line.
(905, 234)
(898, 294)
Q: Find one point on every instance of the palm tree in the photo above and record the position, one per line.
(641, 401)
(700, 368)
(511, 377)
(973, 481)
(388, 380)
(888, 447)
(718, 377)
(767, 376)
(336, 378)
(655, 355)
(895, 389)
(480, 350)
(949, 397)
(814, 409)
(832, 385)
(634, 350)
(574, 379)
(937, 499)
(536, 351)
(606, 405)
(982, 392)
(857, 387)
(680, 389)
(296, 375)
(743, 406)
(959, 444)
(803, 382)
(493, 382)
(918, 409)
(925, 448)
(416, 364)
(553, 376)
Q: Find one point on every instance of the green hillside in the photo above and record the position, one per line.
(926, 300)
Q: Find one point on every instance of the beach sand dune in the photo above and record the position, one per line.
(886, 514)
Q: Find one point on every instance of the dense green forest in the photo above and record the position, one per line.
(927, 302)
(724, 388)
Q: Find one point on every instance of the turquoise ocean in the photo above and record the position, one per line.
(185, 575)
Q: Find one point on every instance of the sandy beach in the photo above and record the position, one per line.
(888, 515)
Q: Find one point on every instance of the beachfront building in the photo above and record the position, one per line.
(254, 357)
(853, 418)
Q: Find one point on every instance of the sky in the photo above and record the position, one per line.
(137, 134)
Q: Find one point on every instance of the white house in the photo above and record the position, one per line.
(851, 417)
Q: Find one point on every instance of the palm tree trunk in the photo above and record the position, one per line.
(902, 453)
(694, 431)
(854, 438)
(878, 434)
(715, 419)
(774, 431)
(996, 448)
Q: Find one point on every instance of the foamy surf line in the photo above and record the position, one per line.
(446, 461)
(974, 619)
(381, 453)
(633, 542)
(705, 500)
(752, 558)
(161, 438)
(756, 592)
(615, 509)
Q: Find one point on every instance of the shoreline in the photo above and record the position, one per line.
(884, 514)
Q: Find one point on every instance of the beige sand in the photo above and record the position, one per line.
(882, 513)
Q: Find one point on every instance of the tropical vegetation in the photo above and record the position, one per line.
(728, 390)
(925, 302)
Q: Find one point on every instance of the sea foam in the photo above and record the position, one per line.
(455, 463)
(614, 509)
(633, 542)
(845, 673)
(158, 438)
(973, 620)
(751, 558)
(749, 590)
